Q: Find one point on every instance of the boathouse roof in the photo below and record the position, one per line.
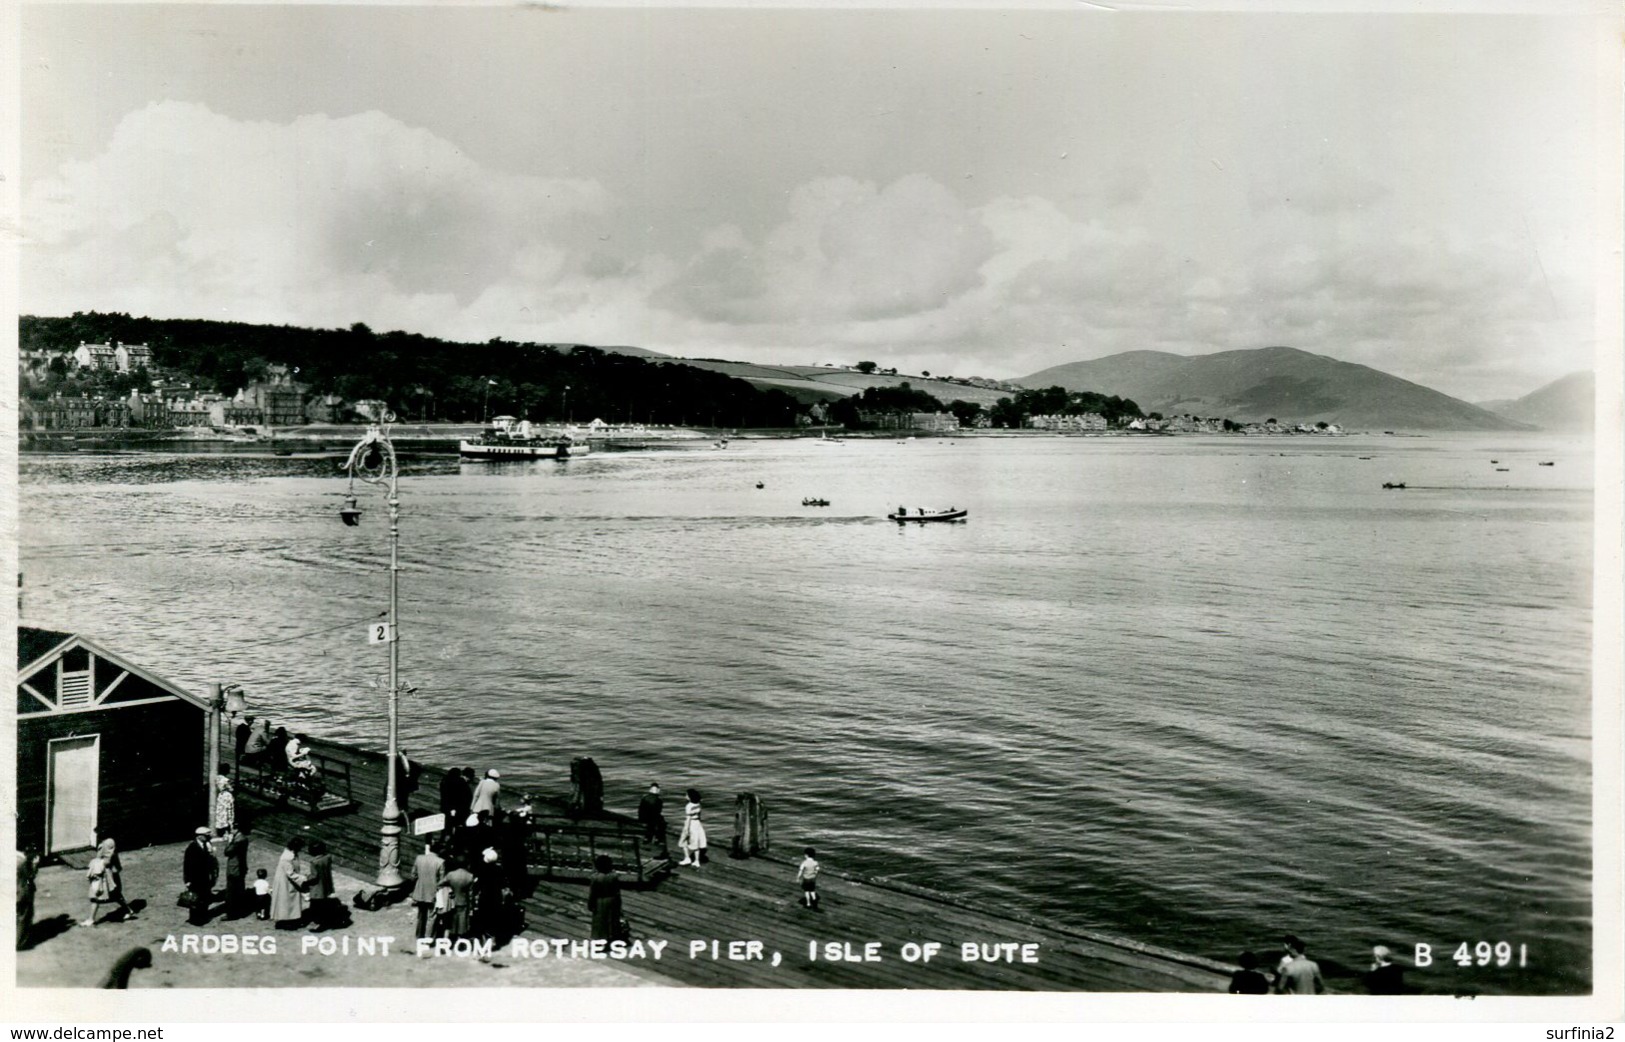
(37, 649)
(32, 644)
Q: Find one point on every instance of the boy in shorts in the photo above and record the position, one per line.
(807, 876)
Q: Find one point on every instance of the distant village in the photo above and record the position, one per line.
(168, 403)
(1092, 423)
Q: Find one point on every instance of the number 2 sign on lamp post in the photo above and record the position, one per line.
(372, 461)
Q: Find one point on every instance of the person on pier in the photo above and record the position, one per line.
(288, 885)
(325, 911)
(1249, 980)
(1299, 974)
(455, 797)
(235, 853)
(240, 736)
(199, 870)
(225, 803)
(257, 743)
(692, 841)
(406, 783)
(604, 899)
(487, 795)
(106, 885)
(1385, 976)
(276, 750)
(513, 836)
(653, 819)
(298, 752)
(807, 876)
(460, 899)
(430, 872)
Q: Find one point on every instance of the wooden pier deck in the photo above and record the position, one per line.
(757, 899)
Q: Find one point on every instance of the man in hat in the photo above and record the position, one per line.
(487, 793)
(651, 816)
(199, 870)
(1385, 976)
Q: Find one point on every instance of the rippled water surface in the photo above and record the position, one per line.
(1199, 692)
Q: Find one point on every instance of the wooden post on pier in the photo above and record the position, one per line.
(750, 826)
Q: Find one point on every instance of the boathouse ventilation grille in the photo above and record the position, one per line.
(73, 690)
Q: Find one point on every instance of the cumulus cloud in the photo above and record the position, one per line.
(325, 221)
(319, 220)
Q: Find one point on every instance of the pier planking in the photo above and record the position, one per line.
(757, 899)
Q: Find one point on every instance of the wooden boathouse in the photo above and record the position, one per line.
(103, 744)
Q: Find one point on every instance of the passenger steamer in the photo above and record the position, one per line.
(512, 439)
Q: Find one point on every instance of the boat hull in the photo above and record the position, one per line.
(475, 451)
(941, 515)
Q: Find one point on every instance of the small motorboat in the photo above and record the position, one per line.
(922, 515)
(809, 502)
(1502, 470)
(1392, 484)
(760, 485)
(1547, 463)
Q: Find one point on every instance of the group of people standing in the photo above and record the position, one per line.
(469, 875)
(296, 892)
(1297, 974)
(691, 840)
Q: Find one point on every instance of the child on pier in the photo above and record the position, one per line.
(262, 895)
(807, 876)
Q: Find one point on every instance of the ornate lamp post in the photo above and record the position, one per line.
(373, 462)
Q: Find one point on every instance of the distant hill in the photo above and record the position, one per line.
(1285, 383)
(1567, 404)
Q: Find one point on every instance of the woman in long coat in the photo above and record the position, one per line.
(604, 899)
(692, 841)
(287, 885)
(321, 893)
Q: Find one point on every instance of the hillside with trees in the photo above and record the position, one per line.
(425, 378)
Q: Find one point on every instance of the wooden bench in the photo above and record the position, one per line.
(330, 793)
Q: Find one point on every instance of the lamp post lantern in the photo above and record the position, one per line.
(373, 461)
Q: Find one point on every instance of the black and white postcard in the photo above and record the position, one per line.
(975, 512)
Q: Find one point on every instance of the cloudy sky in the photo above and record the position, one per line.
(974, 192)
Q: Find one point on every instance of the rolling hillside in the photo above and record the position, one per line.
(813, 383)
(1284, 383)
(1567, 404)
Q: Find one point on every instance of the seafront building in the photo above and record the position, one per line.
(1089, 421)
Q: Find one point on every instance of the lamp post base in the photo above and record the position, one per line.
(389, 849)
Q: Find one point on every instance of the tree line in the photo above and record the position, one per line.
(427, 378)
(1010, 412)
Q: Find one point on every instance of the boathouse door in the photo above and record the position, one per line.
(71, 794)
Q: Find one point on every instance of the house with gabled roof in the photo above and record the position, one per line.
(104, 746)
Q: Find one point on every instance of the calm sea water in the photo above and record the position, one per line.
(1199, 692)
